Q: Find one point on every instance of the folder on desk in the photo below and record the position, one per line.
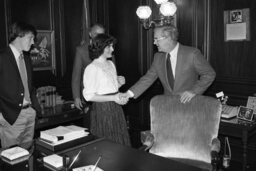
(50, 148)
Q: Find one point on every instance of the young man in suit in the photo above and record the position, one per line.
(18, 99)
(81, 60)
(182, 70)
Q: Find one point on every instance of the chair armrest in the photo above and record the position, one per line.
(147, 140)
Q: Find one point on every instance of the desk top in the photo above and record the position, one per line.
(117, 157)
(237, 128)
(238, 123)
(58, 110)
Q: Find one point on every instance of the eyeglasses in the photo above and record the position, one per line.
(158, 39)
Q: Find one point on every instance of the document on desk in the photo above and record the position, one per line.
(229, 111)
(87, 168)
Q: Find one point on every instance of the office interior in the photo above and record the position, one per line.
(201, 24)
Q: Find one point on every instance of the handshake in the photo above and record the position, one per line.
(122, 98)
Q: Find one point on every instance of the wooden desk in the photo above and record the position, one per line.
(23, 166)
(116, 157)
(242, 130)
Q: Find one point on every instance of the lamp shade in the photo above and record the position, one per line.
(168, 8)
(143, 12)
(160, 1)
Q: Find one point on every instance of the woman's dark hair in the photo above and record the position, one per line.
(96, 48)
(19, 29)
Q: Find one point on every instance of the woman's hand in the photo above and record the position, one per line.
(121, 99)
(120, 80)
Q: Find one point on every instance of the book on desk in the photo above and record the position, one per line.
(60, 138)
(14, 155)
(63, 133)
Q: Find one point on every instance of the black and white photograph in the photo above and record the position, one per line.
(236, 16)
(245, 113)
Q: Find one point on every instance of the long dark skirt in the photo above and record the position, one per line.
(108, 121)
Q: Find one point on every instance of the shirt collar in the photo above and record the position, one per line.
(174, 52)
(15, 51)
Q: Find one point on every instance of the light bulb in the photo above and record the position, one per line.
(143, 12)
(160, 1)
(168, 8)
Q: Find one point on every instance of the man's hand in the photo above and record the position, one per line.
(186, 96)
(78, 103)
(121, 98)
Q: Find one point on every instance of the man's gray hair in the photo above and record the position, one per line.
(170, 31)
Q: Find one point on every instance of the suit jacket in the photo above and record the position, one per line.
(192, 73)
(11, 87)
(80, 62)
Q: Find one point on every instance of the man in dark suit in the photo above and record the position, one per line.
(18, 99)
(182, 70)
(80, 62)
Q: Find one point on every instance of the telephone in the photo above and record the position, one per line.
(229, 111)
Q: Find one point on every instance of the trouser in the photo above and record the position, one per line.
(21, 132)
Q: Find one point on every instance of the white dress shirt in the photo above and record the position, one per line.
(99, 78)
(174, 54)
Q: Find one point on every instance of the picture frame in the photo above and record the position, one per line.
(237, 25)
(245, 113)
(251, 103)
(43, 53)
(236, 16)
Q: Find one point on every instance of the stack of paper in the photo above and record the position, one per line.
(14, 155)
(87, 168)
(63, 133)
(53, 161)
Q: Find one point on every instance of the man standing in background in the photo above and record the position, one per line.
(81, 60)
(18, 99)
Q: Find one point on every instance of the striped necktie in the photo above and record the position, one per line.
(169, 71)
(24, 78)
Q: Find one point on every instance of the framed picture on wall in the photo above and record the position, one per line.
(237, 25)
(236, 16)
(43, 53)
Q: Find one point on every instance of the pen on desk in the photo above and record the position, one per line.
(95, 165)
(75, 159)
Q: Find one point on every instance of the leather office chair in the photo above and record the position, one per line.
(185, 132)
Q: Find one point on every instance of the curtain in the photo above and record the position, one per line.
(85, 22)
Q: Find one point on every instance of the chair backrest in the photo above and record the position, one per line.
(185, 130)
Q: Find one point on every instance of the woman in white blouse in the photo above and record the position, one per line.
(101, 85)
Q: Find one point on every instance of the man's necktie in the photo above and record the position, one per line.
(169, 71)
(23, 74)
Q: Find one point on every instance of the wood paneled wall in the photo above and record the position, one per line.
(123, 25)
(3, 28)
(235, 61)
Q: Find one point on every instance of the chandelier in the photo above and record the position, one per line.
(167, 10)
